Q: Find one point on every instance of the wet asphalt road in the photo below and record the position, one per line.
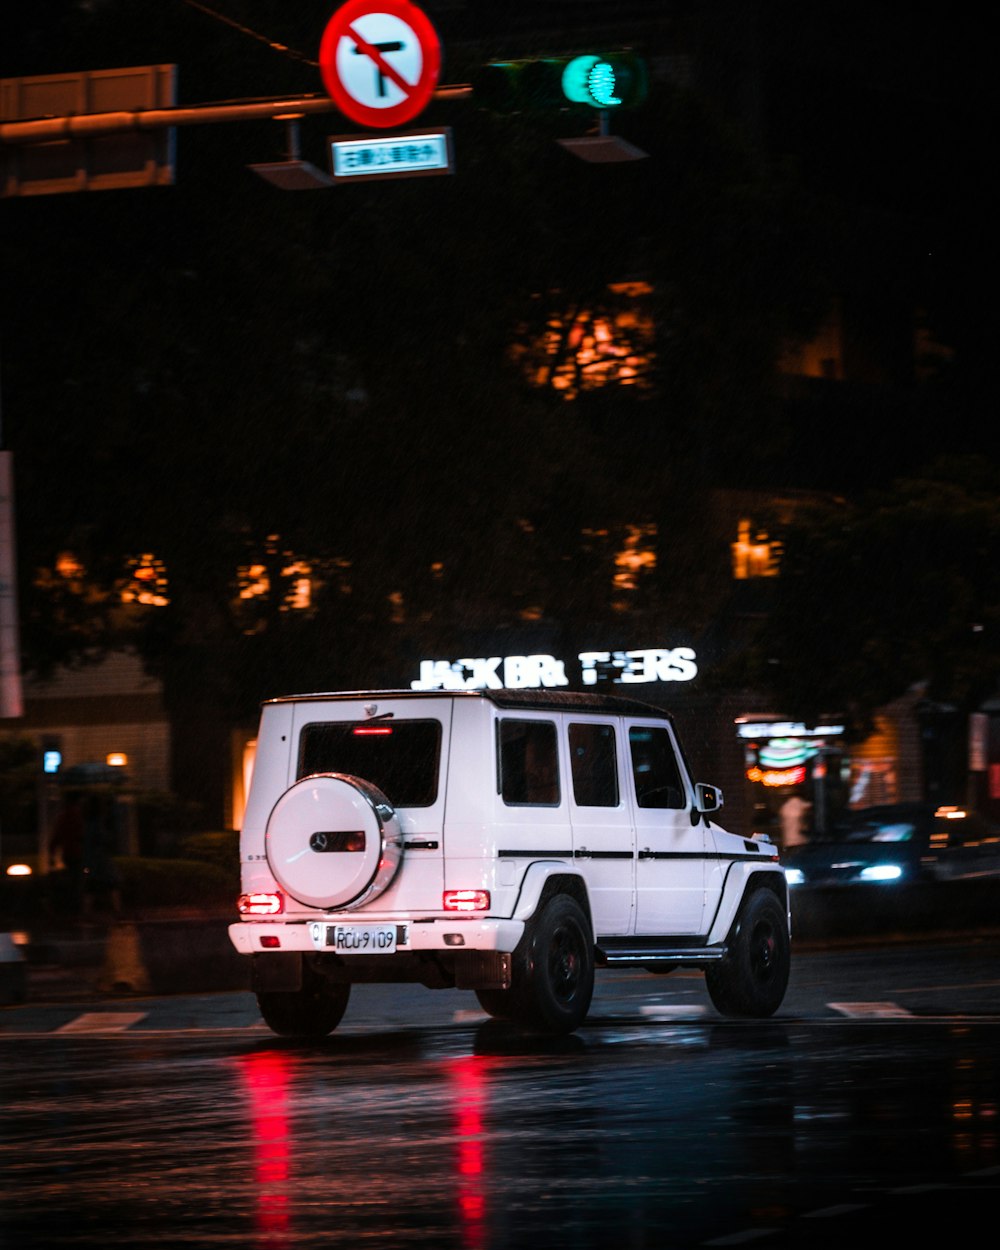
(867, 1109)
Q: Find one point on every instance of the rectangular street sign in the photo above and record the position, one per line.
(358, 158)
(94, 162)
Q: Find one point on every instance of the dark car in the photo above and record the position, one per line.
(898, 843)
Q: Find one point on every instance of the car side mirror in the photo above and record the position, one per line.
(707, 798)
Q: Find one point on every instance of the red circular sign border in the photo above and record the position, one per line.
(414, 104)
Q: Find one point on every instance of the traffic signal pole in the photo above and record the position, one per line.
(91, 125)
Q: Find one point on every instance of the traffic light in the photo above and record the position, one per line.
(595, 80)
(51, 755)
(604, 82)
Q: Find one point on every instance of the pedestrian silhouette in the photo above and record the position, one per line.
(102, 882)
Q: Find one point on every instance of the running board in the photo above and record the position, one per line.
(693, 956)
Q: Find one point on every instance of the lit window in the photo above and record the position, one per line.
(822, 356)
(586, 348)
(69, 567)
(145, 582)
(637, 556)
(758, 556)
(253, 581)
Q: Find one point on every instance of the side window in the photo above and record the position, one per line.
(593, 759)
(529, 766)
(654, 767)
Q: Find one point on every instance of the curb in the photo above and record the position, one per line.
(189, 954)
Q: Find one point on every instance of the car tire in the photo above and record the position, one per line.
(751, 980)
(554, 976)
(313, 1011)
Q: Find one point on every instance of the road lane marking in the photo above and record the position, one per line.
(928, 1187)
(872, 1011)
(741, 1239)
(102, 1022)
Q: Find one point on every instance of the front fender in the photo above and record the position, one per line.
(741, 879)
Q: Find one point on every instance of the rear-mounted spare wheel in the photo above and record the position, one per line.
(333, 841)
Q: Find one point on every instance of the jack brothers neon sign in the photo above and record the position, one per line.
(532, 672)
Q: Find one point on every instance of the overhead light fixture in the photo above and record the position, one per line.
(293, 173)
(603, 149)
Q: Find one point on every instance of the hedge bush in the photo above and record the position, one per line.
(221, 849)
(206, 874)
(149, 882)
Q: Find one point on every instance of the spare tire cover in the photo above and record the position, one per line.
(333, 841)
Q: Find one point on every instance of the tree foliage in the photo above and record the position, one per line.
(239, 376)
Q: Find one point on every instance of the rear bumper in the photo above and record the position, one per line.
(448, 935)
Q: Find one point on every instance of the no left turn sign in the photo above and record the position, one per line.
(380, 61)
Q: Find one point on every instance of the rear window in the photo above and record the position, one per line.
(402, 758)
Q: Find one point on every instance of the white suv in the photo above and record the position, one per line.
(505, 842)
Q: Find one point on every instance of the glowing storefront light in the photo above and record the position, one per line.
(786, 752)
(785, 729)
(774, 778)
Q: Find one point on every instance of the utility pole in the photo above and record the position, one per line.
(11, 703)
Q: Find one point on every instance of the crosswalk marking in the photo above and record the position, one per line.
(841, 1208)
(102, 1022)
(672, 1011)
(742, 1238)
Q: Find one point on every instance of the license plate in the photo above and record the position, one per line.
(361, 939)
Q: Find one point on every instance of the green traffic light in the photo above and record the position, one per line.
(575, 78)
(601, 80)
(614, 80)
(591, 80)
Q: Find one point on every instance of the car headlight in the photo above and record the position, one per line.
(794, 876)
(881, 872)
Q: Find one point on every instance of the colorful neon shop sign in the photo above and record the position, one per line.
(534, 672)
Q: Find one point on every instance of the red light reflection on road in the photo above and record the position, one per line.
(266, 1078)
(469, 1079)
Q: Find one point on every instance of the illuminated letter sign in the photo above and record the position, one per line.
(520, 672)
(535, 672)
(627, 667)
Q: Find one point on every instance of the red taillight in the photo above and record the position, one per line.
(270, 941)
(466, 900)
(260, 904)
(371, 731)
